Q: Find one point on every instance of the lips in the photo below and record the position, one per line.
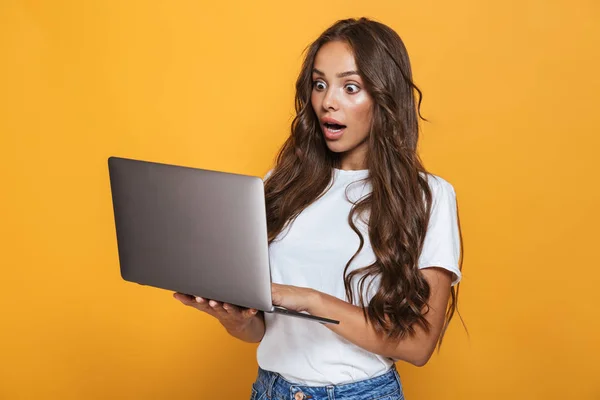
(333, 129)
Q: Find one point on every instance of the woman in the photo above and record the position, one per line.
(358, 230)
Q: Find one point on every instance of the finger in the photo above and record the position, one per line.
(192, 301)
(249, 312)
(184, 298)
(216, 307)
(181, 296)
(275, 296)
(203, 304)
(276, 290)
(231, 309)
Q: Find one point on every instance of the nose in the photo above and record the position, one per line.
(330, 101)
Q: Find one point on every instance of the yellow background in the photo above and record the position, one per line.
(511, 91)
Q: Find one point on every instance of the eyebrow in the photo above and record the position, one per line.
(340, 75)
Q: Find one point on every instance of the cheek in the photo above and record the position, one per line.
(314, 101)
(361, 111)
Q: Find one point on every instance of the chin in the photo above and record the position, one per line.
(338, 146)
(343, 146)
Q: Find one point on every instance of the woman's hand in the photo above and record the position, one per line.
(233, 318)
(293, 297)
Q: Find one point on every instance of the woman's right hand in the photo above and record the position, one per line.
(233, 318)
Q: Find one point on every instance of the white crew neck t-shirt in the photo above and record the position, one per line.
(313, 252)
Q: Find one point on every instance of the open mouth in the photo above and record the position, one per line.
(333, 128)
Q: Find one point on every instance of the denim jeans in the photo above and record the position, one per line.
(271, 386)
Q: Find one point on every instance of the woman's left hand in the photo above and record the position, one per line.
(292, 297)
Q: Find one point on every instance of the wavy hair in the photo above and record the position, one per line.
(399, 205)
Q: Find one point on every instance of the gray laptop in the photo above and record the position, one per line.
(194, 231)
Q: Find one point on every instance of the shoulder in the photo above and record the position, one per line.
(440, 187)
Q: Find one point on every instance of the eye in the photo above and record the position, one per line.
(352, 88)
(319, 85)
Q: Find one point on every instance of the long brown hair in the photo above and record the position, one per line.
(399, 205)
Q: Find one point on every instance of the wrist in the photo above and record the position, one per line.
(314, 300)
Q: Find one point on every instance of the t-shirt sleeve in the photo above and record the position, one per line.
(441, 247)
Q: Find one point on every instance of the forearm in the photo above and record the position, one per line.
(353, 327)
(415, 349)
(252, 332)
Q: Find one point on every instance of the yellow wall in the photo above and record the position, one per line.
(511, 90)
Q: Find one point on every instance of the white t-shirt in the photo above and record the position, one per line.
(313, 252)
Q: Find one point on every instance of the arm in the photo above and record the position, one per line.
(416, 350)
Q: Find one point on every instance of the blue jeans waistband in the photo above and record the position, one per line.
(270, 385)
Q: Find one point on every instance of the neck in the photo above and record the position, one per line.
(354, 159)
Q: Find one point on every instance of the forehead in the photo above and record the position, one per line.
(335, 57)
